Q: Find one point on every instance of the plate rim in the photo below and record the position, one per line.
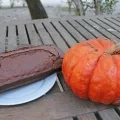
(23, 101)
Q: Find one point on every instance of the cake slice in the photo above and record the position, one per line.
(28, 64)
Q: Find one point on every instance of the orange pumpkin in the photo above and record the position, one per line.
(92, 70)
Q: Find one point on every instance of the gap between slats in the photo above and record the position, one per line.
(85, 28)
(79, 30)
(112, 21)
(27, 34)
(115, 19)
(68, 32)
(61, 35)
(37, 33)
(96, 29)
(105, 28)
(33, 35)
(48, 33)
(96, 115)
(110, 24)
(68, 38)
(6, 39)
(17, 35)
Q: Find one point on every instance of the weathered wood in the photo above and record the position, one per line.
(113, 26)
(67, 37)
(33, 36)
(59, 41)
(109, 114)
(107, 27)
(89, 116)
(118, 108)
(81, 29)
(2, 38)
(21, 22)
(101, 30)
(55, 89)
(116, 18)
(62, 81)
(43, 33)
(12, 38)
(90, 29)
(50, 107)
(67, 118)
(111, 23)
(78, 37)
(22, 35)
(59, 84)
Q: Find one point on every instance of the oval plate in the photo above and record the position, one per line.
(29, 92)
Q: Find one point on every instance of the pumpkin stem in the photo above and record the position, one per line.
(114, 49)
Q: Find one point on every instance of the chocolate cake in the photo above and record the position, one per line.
(28, 64)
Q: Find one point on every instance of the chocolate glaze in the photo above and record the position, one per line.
(28, 64)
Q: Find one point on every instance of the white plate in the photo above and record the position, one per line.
(29, 92)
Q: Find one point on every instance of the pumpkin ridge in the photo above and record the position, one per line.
(108, 83)
(111, 83)
(100, 42)
(92, 46)
(71, 56)
(92, 75)
(75, 65)
(77, 61)
(96, 44)
(117, 79)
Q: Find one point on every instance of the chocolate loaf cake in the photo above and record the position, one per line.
(28, 64)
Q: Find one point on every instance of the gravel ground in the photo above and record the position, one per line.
(23, 13)
(7, 15)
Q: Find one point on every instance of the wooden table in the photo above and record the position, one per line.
(59, 103)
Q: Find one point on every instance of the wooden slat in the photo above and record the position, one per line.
(59, 84)
(43, 33)
(67, 37)
(50, 107)
(72, 31)
(33, 36)
(67, 119)
(62, 81)
(56, 37)
(55, 89)
(22, 35)
(90, 29)
(101, 30)
(81, 29)
(2, 38)
(107, 27)
(109, 114)
(90, 116)
(12, 38)
(115, 18)
(113, 26)
(118, 108)
(113, 21)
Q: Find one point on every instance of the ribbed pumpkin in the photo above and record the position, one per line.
(92, 70)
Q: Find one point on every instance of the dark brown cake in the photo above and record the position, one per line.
(28, 64)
